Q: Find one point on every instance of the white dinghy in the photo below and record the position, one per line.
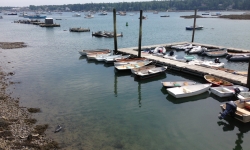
(189, 90)
(227, 91)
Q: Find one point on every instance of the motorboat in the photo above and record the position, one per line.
(238, 57)
(227, 91)
(216, 53)
(89, 16)
(76, 15)
(212, 64)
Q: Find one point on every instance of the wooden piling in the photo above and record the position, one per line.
(115, 35)
(195, 12)
(248, 75)
(140, 35)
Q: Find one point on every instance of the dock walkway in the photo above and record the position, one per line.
(186, 68)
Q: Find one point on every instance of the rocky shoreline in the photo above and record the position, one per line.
(18, 130)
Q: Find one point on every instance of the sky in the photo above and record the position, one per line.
(22, 3)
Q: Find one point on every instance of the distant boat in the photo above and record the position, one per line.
(103, 13)
(143, 17)
(216, 14)
(89, 16)
(79, 29)
(12, 13)
(76, 15)
(164, 16)
(196, 28)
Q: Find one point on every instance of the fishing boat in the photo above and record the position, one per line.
(196, 28)
(84, 52)
(217, 81)
(227, 91)
(133, 65)
(142, 68)
(147, 73)
(189, 90)
(242, 112)
(172, 84)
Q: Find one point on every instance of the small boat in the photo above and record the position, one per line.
(242, 112)
(106, 56)
(173, 57)
(142, 68)
(129, 61)
(195, 62)
(89, 16)
(183, 46)
(159, 49)
(177, 84)
(244, 95)
(76, 15)
(36, 17)
(227, 91)
(196, 28)
(147, 73)
(103, 13)
(133, 65)
(58, 128)
(79, 29)
(218, 53)
(217, 81)
(189, 90)
(238, 57)
(98, 55)
(197, 49)
(164, 16)
(189, 57)
(143, 17)
(212, 64)
(84, 52)
(111, 59)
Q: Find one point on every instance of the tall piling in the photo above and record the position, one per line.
(195, 12)
(140, 34)
(115, 35)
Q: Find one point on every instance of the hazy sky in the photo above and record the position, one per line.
(20, 3)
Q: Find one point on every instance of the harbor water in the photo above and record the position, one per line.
(102, 108)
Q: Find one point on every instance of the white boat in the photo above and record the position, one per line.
(170, 57)
(195, 62)
(142, 68)
(146, 73)
(113, 58)
(160, 49)
(119, 63)
(99, 56)
(84, 52)
(244, 95)
(177, 84)
(133, 65)
(189, 90)
(89, 16)
(108, 56)
(197, 49)
(183, 46)
(227, 91)
(212, 64)
(76, 15)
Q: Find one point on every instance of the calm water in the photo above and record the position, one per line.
(100, 108)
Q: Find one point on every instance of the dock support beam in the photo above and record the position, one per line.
(115, 35)
(195, 12)
(140, 34)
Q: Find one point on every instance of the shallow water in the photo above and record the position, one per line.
(100, 108)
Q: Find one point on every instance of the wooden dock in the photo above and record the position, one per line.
(186, 68)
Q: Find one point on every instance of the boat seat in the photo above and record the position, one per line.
(186, 90)
(243, 111)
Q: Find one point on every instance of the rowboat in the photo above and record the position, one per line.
(196, 49)
(98, 55)
(227, 91)
(133, 65)
(142, 68)
(219, 53)
(119, 63)
(106, 56)
(242, 112)
(111, 59)
(130, 59)
(189, 90)
(84, 52)
(146, 73)
(217, 81)
(177, 84)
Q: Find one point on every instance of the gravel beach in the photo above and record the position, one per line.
(18, 130)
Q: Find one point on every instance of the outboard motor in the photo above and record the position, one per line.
(231, 108)
(217, 60)
(228, 57)
(171, 53)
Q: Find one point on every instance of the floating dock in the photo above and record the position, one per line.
(190, 69)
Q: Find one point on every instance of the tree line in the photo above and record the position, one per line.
(160, 5)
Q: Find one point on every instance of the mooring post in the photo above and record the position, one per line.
(248, 75)
(115, 35)
(194, 24)
(140, 34)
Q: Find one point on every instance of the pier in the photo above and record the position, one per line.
(190, 69)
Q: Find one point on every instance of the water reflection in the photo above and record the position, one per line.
(229, 123)
(188, 99)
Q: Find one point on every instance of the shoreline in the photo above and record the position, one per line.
(18, 129)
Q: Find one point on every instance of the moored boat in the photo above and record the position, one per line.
(111, 59)
(133, 65)
(84, 52)
(79, 29)
(227, 91)
(196, 27)
(216, 53)
(142, 68)
(216, 81)
(189, 90)
(129, 61)
(239, 57)
(189, 57)
(172, 84)
(147, 73)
